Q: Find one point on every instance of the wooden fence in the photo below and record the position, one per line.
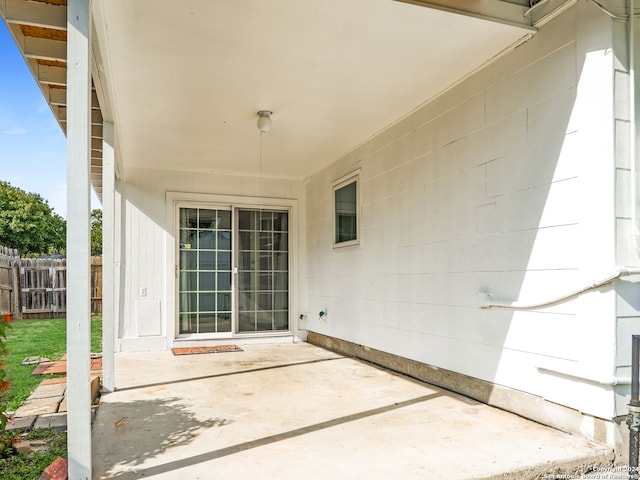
(96, 285)
(43, 287)
(37, 287)
(8, 280)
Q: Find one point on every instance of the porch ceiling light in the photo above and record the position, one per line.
(264, 121)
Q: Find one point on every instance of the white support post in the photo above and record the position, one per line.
(117, 260)
(78, 240)
(108, 257)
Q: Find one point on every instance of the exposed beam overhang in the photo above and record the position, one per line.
(96, 116)
(43, 32)
(52, 75)
(58, 97)
(96, 144)
(36, 14)
(507, 13)
(43, 48)
(39, 28)
(96, 131)
(60, 3)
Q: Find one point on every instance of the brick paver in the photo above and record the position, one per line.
(58, 470)
(60, 367)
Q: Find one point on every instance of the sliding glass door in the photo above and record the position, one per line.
(263, 271)
(204, 296)
(233, 271)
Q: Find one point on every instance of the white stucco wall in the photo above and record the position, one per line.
(505, 185)
(147, 262)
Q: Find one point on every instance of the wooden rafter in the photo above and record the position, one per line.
(36, 14)
(60, 3)
(58, 96)
(45, 49)
(51, 63)
(96, 115)
(43, 32)
(51, 74)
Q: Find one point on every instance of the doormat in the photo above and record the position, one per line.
(212, 349)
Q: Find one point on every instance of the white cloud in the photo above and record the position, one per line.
(15, 131)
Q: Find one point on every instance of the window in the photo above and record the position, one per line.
(345, 207)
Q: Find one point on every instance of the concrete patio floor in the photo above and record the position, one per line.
(297, 411)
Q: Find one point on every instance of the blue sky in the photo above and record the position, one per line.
(32, 145)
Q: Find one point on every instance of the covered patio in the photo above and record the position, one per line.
(457, 143)
(299, 411)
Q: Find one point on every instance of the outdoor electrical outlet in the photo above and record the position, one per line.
(143, 292)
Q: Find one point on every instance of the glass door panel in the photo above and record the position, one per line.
(263, 263)
(204, 292)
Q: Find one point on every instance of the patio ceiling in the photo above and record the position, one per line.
(183, 81)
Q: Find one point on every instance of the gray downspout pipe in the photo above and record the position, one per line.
(633, 418)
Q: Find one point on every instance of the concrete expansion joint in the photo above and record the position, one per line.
(424, 421)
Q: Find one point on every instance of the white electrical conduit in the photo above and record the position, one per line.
(619, 271)
(608, 12)
(635, 233)
(616, 273)
(583, 375)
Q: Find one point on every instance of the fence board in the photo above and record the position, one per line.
(96, 285)
(43, 286)
(8, 284)
(37, 287)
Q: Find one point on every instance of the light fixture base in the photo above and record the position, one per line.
(264, 120)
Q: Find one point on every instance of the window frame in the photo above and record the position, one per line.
(353, 177)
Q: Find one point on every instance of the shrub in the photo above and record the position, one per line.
(6, 444)
(4, 383)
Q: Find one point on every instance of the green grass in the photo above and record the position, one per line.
(43, 338)
(28, 466)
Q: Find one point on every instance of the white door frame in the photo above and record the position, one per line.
(176, 200)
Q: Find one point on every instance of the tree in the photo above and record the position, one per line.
(28, 223)
(96, 232)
